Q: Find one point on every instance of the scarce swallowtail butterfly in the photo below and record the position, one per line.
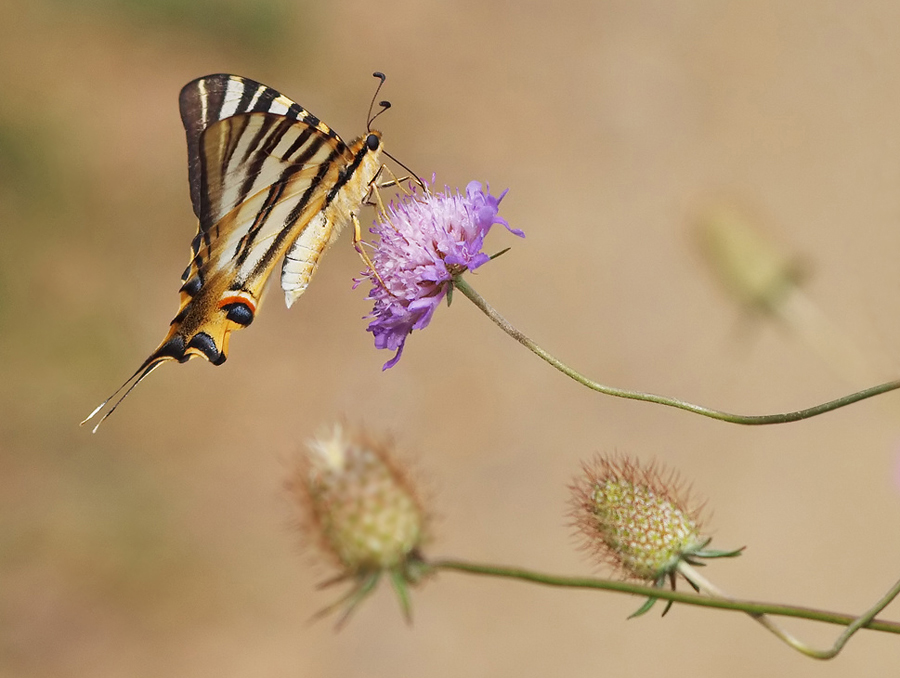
(269, 183)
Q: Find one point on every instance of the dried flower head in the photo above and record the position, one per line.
(424, 240)
(639, 520)
(361, 508)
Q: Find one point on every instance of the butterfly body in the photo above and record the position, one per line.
(269, 183)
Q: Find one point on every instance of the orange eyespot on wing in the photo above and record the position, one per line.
(239, 308)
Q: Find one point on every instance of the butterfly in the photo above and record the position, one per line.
(269, 183)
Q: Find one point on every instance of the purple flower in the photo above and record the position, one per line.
(425, 240)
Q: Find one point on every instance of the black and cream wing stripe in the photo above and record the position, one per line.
(269, 182)
(224, 172)
(244, 138)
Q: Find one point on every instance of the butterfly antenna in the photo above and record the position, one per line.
(142, 372)
(371, 118)
(384, 104)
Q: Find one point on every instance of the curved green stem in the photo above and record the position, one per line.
(748, 420)
(857, 624)
(705, 586)
(852, 622)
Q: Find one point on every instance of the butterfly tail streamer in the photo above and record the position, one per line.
(140, 374)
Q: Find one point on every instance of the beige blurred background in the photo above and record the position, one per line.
(163, 545)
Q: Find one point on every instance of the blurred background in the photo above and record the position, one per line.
(163, 545)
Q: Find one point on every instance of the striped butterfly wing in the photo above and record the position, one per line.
(269, 183)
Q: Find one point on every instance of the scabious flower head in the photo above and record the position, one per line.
(425, 240)
(363, 511)
(358, 502)
(636, 519)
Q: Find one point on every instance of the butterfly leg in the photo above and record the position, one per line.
(394, 181)
(374, 196)
(358, 246)
(374, 199)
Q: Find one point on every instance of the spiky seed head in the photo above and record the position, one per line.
(357, 502)
(637, 519)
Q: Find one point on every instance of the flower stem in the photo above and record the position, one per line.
(754, 609)
(705, 586)
(748, 420)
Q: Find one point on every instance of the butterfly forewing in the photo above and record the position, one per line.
(269, 182)
(256, 205)
(210, 99)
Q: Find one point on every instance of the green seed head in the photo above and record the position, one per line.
(634, 518)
